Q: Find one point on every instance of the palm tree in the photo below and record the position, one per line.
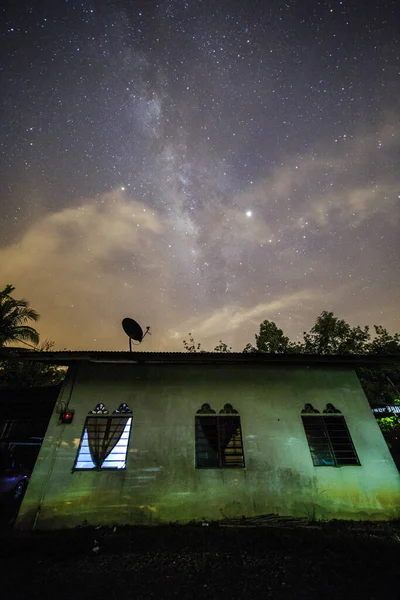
(14, 316)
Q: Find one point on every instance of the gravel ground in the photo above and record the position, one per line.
(315, 561)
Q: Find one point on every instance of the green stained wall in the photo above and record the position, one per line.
(161, 484)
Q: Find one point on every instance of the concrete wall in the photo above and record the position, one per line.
(161, 484)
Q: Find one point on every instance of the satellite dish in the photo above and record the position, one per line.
(133, 331)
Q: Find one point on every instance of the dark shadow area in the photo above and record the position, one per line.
(314, 561)
(24, 417)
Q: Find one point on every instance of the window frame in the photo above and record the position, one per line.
(325, 420)
(221, 454)
(109, 418)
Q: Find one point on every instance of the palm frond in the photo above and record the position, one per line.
(14, 316)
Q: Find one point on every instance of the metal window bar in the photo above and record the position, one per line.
(231, 446)
(341, 442)
(207, 442)
(219, 442)
(329, 441)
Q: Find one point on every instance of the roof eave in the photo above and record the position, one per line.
(66, 358)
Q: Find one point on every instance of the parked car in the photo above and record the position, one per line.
(14, 480)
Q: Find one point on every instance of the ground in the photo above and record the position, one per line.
(272, 559)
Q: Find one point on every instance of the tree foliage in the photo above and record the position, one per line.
(381, 384)
(331, 335)
(14, 318)
(384, 343)
(272, 340)
(390, 427)
(25, 373)
(191, 345)
(222, 347)
(388, 424)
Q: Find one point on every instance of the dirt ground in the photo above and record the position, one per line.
(274, 559)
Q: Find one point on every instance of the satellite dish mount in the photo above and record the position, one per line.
(134, 331)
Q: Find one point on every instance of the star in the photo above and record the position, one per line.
(245, 138)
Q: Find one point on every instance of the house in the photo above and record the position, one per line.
(149, 438)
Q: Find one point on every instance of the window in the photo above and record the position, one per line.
(218, 438)
(329, 439)
(105, 439)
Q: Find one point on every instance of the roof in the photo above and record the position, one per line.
(68, 357)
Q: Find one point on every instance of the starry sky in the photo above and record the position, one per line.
(200, 166)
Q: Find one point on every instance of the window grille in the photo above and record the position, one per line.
(329, 441)
(218, 439)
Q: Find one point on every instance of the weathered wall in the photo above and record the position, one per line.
(161, 483)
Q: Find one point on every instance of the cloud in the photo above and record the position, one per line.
(355, 205)
(229, 318)
(76, 267)
(327, 187)
(88, 232)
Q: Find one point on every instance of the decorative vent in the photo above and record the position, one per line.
(206, 410)
(99, 410)
(228, 410)
(123, 409)
(309, 410)
(330, 409)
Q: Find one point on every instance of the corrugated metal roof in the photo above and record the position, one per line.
(65, 357)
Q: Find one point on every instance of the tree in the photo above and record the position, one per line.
(272, 340)
(26, 373)
(384, 343)
(331, 335)
(222, 347)
(14, 316)
(191, 345)
(390, 427)
(381, 384)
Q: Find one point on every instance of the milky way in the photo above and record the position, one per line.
(200, 166)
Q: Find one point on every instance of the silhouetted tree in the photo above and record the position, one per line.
(14, 316)
(384, 343)
(26, 373)
(272, 340)
(191, 345)
(222, 347)
(331, 335)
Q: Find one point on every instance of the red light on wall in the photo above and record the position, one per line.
(66, 416)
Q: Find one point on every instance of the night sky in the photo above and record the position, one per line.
(200, 166)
